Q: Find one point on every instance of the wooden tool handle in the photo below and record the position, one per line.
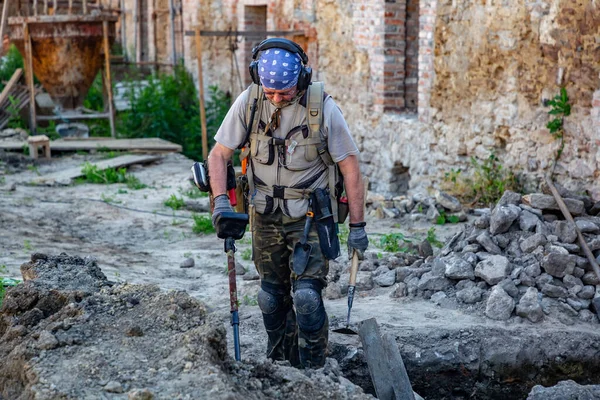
(354, 268)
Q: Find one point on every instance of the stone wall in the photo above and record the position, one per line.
(479, 73)
(495, 64)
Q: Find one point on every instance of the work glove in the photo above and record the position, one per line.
(222, 205)
(358, 240)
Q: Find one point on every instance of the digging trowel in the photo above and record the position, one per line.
(351, 286)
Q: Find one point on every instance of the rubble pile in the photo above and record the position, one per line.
(520, 260)
(417, 207)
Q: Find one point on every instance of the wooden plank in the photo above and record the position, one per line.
(108, 80)
(65, 177)
(147, 144)
(28, 62)
(257, 34)
(9, 86)
(201, 95)
(5, 7)
(385, 363)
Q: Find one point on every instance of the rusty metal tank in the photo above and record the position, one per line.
(67, 52)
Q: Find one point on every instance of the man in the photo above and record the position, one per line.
(285, 169)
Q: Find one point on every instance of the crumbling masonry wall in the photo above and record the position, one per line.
(471, 81)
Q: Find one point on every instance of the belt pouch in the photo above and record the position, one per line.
(326, 227)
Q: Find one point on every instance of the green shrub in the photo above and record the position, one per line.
(11, 61)
(432, 238)
(394, 243)
(490, 180)
(94, 100)
(168, 108)
(485, 183)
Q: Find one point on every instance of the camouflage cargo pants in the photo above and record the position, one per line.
(274, 237)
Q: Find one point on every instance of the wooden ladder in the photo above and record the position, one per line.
(15, 92)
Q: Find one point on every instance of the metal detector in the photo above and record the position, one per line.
(231, 226)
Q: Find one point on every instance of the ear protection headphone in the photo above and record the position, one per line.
(305, 72)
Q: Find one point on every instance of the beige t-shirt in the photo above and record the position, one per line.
(232, 131)
(294, 171)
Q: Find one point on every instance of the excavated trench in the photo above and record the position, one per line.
(484, 363)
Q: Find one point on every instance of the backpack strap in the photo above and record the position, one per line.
(314, 116)
(254, 106)
(253, 109)
(314, 108)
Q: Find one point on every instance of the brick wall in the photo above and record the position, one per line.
(391, 90)
(254, 18)
(427, 12)
(412, 55)
(389, 31)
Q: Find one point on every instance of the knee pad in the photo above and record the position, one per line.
(310, 311)
(274, 302)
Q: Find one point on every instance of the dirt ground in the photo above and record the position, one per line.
(137, 239)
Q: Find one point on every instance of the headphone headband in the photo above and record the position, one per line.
(281, 43)
(286, 44)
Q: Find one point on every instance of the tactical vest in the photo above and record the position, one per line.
(283, 171)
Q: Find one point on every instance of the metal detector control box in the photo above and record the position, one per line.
(231, 225)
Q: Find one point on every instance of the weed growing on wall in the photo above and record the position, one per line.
(560, 108)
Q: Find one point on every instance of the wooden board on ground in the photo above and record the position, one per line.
(385, 363)
(65, 177)
(142, 144)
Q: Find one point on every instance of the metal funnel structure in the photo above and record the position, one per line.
(67, 52)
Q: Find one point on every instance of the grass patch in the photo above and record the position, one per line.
(193, 192)
(250, 300)
(92, 174)
(202, 224)
(174, 202)
(246, 254)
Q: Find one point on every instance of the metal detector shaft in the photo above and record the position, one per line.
(233, 301)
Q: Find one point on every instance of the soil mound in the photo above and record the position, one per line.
(68, 332)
